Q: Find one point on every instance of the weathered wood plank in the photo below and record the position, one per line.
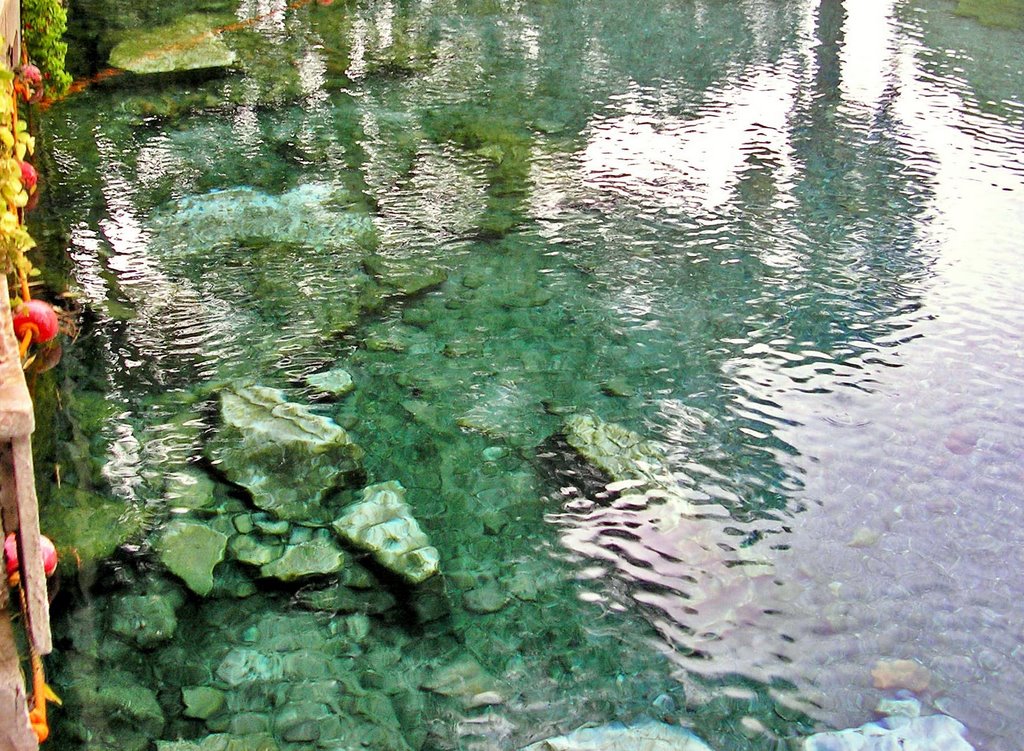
(30, 556)
(15, 732)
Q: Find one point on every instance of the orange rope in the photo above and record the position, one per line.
(40, 691)
(82, 84)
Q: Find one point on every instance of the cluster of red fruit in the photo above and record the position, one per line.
(29, 85)
(33, 318)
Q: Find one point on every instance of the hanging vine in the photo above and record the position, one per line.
(43, 25)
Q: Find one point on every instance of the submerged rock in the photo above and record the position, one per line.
(901, 674)
(287, 457)
(146, 620)
(932, 733)
(312, 214)
(202, 702)
(404, 275)
(313, 558)
(337, 381)
(382, 524)
(189, 489)
(644, 736)
(190, 43)
(615, 450)
(464, 678)
(191, 551)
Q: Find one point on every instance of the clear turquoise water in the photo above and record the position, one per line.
(781, 241)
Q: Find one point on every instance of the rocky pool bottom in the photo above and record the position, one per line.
(286, 605)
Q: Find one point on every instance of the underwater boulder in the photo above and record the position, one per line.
(643, 736)
(190, 43)
(286, 456)
(382, 524)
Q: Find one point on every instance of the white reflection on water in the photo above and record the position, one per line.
(696, 162)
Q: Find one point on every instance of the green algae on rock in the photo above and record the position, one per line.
(382, 524)
(286, 456)
(190, 43)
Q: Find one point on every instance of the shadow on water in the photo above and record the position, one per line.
(738, 246)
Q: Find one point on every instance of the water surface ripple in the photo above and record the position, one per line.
(781, 242)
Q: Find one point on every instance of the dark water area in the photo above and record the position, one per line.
(773, 249)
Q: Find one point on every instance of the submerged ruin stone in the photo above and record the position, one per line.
(190, 43)
(382, 524)
(286, 456)
(615, 450)
(191, 550)
(643, 736)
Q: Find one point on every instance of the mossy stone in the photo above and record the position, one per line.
(190, 43)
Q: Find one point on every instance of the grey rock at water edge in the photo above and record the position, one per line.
(286, 456)
(932, 733)
(190, 551)
(383, 525)
(643, 736)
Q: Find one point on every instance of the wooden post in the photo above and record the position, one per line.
(10, 29)
(19, 513)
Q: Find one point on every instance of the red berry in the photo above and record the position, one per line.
(29, 176)
(38, 317)
(46, 547)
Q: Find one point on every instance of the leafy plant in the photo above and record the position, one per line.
(43, 25)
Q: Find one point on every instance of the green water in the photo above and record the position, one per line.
(779, 241)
